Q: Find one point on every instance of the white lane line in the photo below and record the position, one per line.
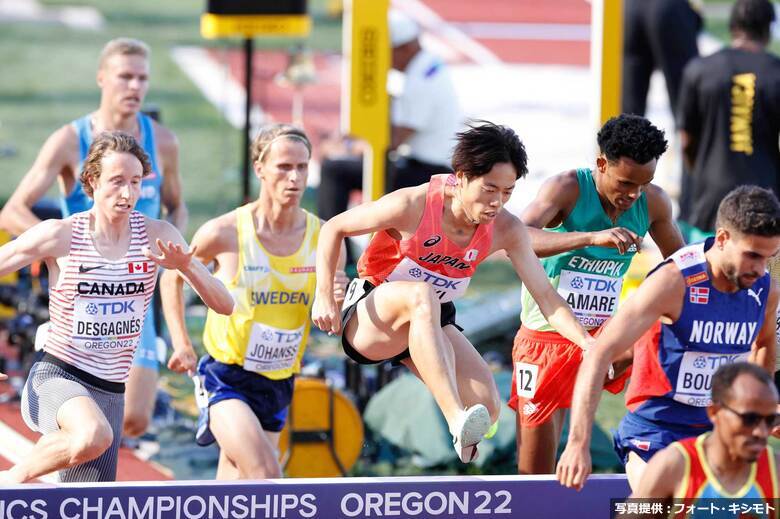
(14, 447)
(526, 31)
(216, 83)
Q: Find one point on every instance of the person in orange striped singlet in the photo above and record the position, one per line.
(733, 461)
(102, 270)
(429, 240)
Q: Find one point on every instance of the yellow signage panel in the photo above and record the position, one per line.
(607, 56)
(365, 107)
(248, 26)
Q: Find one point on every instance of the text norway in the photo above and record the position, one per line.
(722, 332)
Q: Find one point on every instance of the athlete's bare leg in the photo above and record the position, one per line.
(140, 393)
(243, 441)
(635, 467)
(537, 446)
(84, 435)
(226, 469)
(475, 380)
(403, 313)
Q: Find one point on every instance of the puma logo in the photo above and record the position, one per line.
(755, 295)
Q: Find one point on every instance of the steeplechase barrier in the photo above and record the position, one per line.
(435, 497)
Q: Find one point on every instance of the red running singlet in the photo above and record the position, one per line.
(428, 255)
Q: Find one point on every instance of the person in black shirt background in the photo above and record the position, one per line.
(659, 34)
(729, 118)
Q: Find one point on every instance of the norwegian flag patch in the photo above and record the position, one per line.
(134, 267)
(642, 445)
(699, 295)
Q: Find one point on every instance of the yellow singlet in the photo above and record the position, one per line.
(268, 331)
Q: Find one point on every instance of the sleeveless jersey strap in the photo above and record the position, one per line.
(78, 231)
(83, 129)
(683, 487)
(147, 138)
(246, 237)
(312, 229)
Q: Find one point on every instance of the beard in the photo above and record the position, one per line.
(740, 279)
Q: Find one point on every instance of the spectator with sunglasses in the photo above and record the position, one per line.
(733, 460)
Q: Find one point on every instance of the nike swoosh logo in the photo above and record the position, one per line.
(83, 269)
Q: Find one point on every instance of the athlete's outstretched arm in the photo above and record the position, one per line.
(764, 348)
(663, 228)
(206, 243)
(170, 251)
(552, 205)
(513, 238)
(662, 475)
(48, 239)
(17, 216)
(659, 296)
(398, 210)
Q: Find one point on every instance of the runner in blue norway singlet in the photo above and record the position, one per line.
(674, 363)
(149, 204)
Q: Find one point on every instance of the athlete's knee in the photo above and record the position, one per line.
(261, 468)
(135, 422)
(423, 303)
(90, 441)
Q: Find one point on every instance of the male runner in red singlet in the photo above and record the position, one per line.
(733, 461)
(102, 268)
(429, 240)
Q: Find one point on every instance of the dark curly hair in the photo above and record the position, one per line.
(633, 137)
(753, 17)
(724, 378)
(484, 145)
(750, 210)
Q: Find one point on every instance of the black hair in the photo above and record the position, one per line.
(633, 137)
(724, 378)
(750, 210)
(484, 145)
(753, 17)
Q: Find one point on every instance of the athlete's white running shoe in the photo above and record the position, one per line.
(471, 426)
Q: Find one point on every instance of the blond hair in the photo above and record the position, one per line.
(123, 47)
(273, 132)
(104, 143)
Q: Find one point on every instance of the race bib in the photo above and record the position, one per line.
(272, 349)
(447, 288)
(103, 325)
(694, 381)
(592, 297)
(355, 290)
(526, 376)
(201, 395)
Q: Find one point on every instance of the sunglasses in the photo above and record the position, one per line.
(751, 420)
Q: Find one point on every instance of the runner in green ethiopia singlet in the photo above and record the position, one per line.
(579, 222)
(589, 279)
